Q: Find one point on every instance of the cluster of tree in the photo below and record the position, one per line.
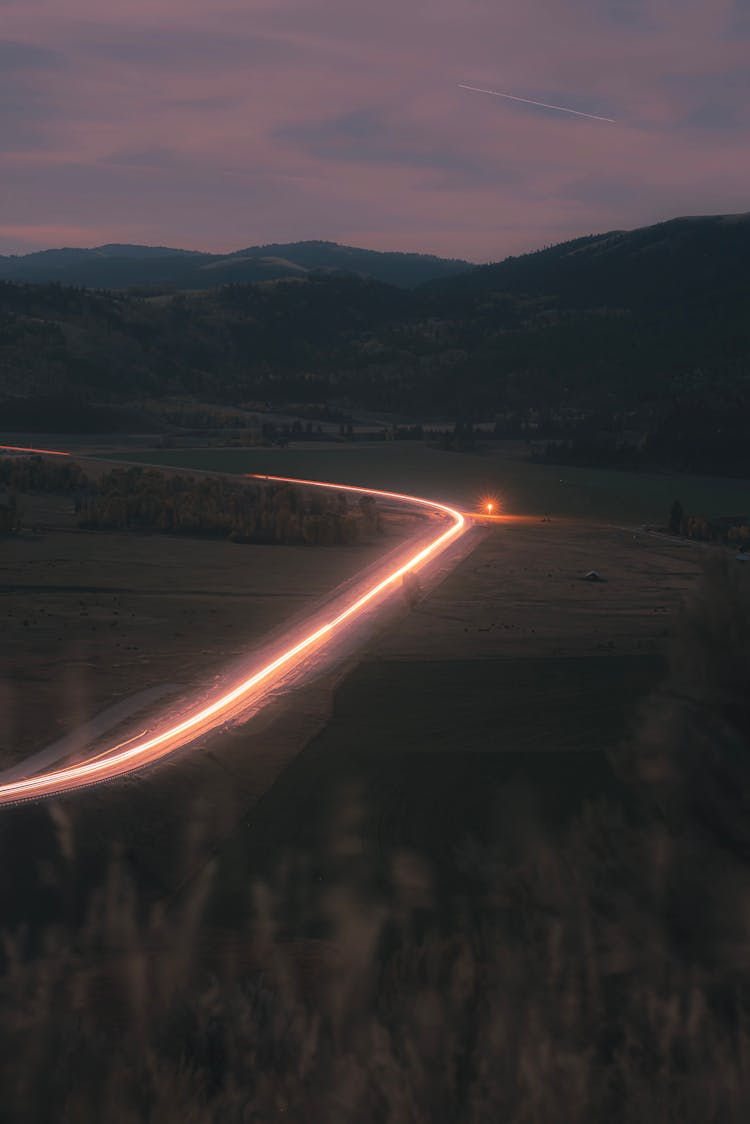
(197, 415)
(699, 432)
(40, 474)
(460, 439)
(212, 438)
(703, 434)
(315, 412)
(734, 530)
(281, 433)
(152, 501)
(148, 500)
(10, 515)
(408, 433)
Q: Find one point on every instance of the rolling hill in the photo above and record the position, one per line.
(159, 267)
(684, 259)
(644, 332)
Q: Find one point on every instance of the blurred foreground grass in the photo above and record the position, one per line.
(602, 977)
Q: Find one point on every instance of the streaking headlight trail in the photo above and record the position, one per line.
(115, 762)
(529, 101)
(39, 452)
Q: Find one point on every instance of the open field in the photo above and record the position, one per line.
(491, 713)
(500, 469)
(448, 850)
(91, 619)
(511, 653)
(521, 594)
(512, 675)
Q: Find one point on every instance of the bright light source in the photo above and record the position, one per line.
(490, 506)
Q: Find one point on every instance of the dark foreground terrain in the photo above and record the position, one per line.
(508, 875)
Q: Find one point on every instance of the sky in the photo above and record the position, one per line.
(220, 124)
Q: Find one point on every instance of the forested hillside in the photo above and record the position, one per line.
(645, 334)
(265, 341)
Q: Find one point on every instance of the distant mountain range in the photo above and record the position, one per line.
(160, 267)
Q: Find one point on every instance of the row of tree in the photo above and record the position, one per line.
(148, 500)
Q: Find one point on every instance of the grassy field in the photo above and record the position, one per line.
(433, 758)
(502, 471)
(488, 713)
(476, 905)
(91, 618)
(482, 666)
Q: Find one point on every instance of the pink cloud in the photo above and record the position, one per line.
(213, 126)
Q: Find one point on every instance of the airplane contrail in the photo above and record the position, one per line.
(543, 104)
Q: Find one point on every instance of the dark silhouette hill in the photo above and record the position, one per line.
(615, 311)
(653, 266)
(123, 267)
(641, 336)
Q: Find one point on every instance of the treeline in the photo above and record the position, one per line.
(460, 439)
(147, 500)
(733, 530)
(37, 474)
(142, 499)
(697, 434)
(196, 415)
(588, 452)
(704, 434)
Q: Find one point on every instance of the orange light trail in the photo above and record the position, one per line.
(41, 452)
(484, 517)
(108, 764)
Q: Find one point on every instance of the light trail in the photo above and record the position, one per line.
(543, 104)
(40, 452)
(108, 764)
(112, 748)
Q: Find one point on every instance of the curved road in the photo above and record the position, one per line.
(199, 720)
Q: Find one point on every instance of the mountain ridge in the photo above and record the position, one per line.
(607, 265)
(126, 266)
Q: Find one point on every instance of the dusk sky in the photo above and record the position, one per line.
(223, 124)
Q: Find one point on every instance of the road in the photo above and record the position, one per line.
(285, 660)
